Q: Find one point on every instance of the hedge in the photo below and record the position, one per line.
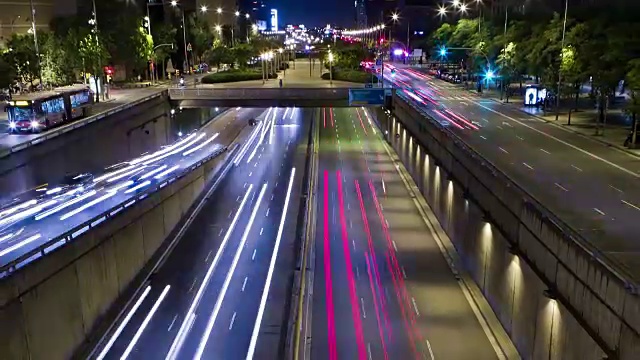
(233, 76)
(355, 76)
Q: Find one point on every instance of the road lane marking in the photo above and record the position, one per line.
(253, 256)
(561, 187)
(354, 245)
(404, 273)
(615, 188)
(483, 137)
(244, 283)
(369, 351)
(577, 168)
(565, 143)
(519, 137)
(220, 232)
(415, 306)
(172, 322)
(545, 151)
(527, 165)
(261, 230)
(503, 150)
(267, 212)
(599, 211)
(394, 245)
(251, 173)
(233, 319)
(238, 198)
(630, 204)
(230, 213)
(364, 312)
(430, 351)
(245, 185)
(357, 272)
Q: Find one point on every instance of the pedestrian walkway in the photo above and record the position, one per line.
(301, 73)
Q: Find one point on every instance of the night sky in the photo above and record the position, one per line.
(315, 12)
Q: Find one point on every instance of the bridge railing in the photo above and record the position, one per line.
(259, 93)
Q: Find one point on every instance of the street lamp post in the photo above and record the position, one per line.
(330, 68)
(35, 38)
(564, 29)
(174, 3)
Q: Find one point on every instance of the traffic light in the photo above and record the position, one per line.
(489, 75)
(443, 51)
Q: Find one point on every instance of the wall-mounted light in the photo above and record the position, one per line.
(550, 294)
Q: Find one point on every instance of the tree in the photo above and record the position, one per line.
(7, 73)
(506, 62)
(164, 34)
(21, 55)
(243, 53)
(633, 85)
(219, 55)
(200, 35)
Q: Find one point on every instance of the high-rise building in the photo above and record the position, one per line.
(361, 14)
(274, 20)
(15, 15)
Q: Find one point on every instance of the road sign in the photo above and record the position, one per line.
(359, 97)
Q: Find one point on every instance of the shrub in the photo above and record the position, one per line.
(233, 75)
(355, 76)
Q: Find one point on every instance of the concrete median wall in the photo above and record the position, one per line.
(117, 137)
(553, 297)
(50, 306)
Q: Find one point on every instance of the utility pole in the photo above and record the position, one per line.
(35, 40)
(564, 29)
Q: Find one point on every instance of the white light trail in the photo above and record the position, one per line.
(54, 191)
(189, 318)
(18, 207)
(24, 214)
(227, 280)
(87, 205)
(272, 264)
(123, 175)
(137, 187)
(117, 172)
(173, 152)
(200, 146)
(153, 172)
(65, 205)
(167, 172)
(20, 244)
(163, 151)
(122, 186)
(145, 323)
(122, 325)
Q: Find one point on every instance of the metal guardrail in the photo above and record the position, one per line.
(74, 125)
(569, 232)
(78, 230)
(259, 93)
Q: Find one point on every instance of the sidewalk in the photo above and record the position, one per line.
(583, 122)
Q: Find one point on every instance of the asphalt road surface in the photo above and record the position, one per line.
(38, 216)
(592, 187)
(382, 289)
(228, 275)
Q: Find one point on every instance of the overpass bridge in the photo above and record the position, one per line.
(260, 97)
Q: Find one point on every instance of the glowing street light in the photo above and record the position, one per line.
(219, 10)
(456, 3)
(174, 3)
(218, 28)
(395, 17)
(246, 16)
(330, 67)
(442, 11)
(463, 8)
(204, 8)
(237, 13)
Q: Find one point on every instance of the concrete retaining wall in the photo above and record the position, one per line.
(516, 253)
(115, 138)
(50, 306)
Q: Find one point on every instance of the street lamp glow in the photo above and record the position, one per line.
(395, 17)
(456, 3)
(490, 74)
(246, 16)
(218, 28)
(174, 3)
(219, 10)
(443, 52)
(238, 13)
(442, 11)
(463, 8)
(204, 8)
(280, 50)
(330, 57)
